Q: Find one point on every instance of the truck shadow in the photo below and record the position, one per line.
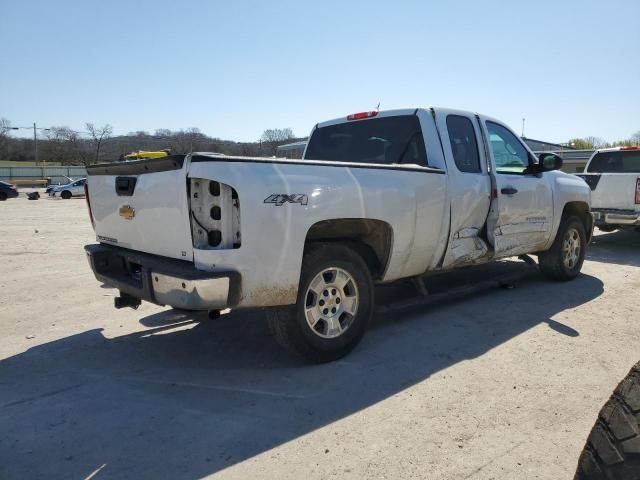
(186, 399)
(621, 247)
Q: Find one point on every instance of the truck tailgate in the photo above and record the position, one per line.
(616, 191)
(143, 206)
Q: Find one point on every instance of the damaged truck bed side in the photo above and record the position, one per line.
(377, 197)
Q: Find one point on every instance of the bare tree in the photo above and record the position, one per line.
(98, 136)
(162, 132)
(65, 146)
(185, 141)
(635, 138)
(597, 142)
(5, 127)
(271, 138)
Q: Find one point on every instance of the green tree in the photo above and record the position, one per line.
(587, 143)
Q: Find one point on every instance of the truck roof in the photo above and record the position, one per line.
(396, 112)
(616, 149)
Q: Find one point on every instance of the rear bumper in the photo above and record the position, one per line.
(162, 280)
(616, 217)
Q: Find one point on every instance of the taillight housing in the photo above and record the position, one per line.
(638, 191)
(86, 197)
(362, 115)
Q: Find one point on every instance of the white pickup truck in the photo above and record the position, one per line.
(378, 197)
(614, 177)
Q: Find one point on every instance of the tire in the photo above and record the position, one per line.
(336, 284)
(563, 261)
(66, 195)
(3, 196)
(612, 450)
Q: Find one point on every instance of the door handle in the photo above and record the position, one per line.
(508, 190)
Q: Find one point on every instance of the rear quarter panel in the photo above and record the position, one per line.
(273, 236)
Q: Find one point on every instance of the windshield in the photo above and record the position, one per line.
(387, 140)
(619, 161)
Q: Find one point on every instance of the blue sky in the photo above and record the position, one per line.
(235, 68)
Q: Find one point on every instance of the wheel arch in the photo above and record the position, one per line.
(371, 239)
(581, 210)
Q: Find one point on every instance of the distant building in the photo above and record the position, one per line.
(292, 150)
(542, 146)
(574, 161)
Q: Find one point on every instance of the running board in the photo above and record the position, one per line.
(426, 299)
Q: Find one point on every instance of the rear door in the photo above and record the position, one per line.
(143, 206)
(522, 205)
(469, 186)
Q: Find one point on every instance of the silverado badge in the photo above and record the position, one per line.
(127, 212)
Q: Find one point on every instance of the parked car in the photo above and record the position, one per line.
(7, 191)
(54, 185)
(73, 189)
(614, 177)
(377, 197)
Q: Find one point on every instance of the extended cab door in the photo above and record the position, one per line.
(469, 187)
(522, 203)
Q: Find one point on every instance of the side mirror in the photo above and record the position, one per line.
(549, 161)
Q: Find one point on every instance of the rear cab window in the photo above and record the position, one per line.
(384, 141)
(618, 161)
(464, 146)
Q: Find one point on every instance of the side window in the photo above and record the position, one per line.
(508, 152)
(463, 144)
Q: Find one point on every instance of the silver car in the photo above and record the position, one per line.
(73, 189)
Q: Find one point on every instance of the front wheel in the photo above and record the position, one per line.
(3, 196)
(563, 261)
(334, 305)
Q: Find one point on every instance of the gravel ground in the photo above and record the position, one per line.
(502, 384)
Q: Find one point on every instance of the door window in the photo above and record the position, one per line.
(463, 144)
(508, 152)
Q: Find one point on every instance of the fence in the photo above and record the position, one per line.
(55, 174)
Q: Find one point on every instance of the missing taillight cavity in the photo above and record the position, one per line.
(215, 215)
(638, 191)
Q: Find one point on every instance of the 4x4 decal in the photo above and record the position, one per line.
(281, 198)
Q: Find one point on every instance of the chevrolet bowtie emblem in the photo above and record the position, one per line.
(127, 212)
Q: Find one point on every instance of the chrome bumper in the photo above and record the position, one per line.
(617, 218)
(162, 280)
(203, 294)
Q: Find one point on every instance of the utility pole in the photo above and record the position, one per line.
(523, 128)
(35, 142)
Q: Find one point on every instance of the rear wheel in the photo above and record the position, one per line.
(66, 194)
(3, 196)
(334, 305)
(613, 446)
(563, 261)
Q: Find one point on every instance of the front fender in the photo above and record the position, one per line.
(567, 189)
